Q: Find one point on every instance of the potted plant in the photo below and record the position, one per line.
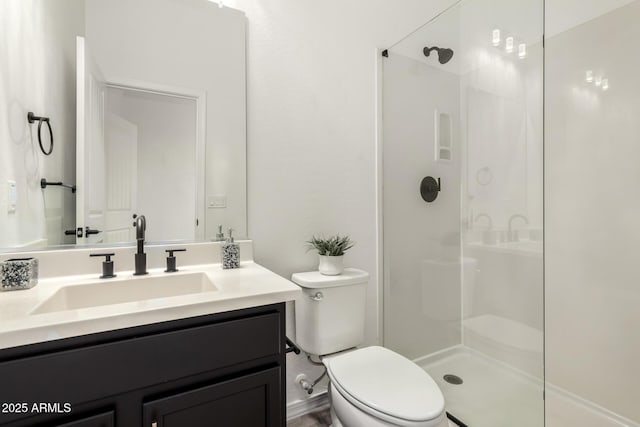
(331, 253)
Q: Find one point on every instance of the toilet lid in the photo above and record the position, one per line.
(377, 379)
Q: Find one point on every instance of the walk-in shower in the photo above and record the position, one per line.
(514, 335)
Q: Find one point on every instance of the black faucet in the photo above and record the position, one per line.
(140, 224)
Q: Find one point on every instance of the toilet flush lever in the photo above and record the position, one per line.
(317, 296)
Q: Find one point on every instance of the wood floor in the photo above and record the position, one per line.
(320, 418)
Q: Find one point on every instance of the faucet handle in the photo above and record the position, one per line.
(107, 265)
(171, 251)
(171, 260)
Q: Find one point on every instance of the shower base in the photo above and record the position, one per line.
(491, 394)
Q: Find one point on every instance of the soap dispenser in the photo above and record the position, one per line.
(230, 253)
(219, 234)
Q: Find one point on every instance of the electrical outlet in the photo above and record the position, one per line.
(216, 202)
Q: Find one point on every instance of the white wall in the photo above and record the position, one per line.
(592, 209)
(191, 44)
(311, 129)
(562, 15)
(37, 73)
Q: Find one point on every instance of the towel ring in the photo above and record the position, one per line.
(32, 118)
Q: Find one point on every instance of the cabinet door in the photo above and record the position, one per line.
(101, 420)
(249, 401)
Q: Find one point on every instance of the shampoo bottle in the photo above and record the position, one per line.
(230, 253)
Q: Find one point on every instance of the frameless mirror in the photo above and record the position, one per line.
(147, 112)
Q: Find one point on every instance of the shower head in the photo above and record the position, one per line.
(444, 54)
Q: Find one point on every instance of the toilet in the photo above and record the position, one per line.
(370, 386)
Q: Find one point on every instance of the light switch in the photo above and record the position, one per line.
(216, 202)
(12, 196)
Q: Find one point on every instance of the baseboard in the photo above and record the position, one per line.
(302, 407)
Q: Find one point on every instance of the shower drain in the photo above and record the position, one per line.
(453, 379)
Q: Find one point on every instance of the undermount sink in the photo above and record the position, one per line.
(117, 291)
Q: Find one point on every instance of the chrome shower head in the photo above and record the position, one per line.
(444, 54)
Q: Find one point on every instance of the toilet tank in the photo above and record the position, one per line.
(330, 313)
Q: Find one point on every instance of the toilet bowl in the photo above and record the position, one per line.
(370, 386)
(375, 386)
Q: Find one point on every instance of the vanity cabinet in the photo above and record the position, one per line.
(224, 369)
(241, 401)
(101, 420)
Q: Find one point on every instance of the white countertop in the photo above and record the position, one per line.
(249, 286)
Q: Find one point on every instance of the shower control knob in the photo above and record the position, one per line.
(429, 189)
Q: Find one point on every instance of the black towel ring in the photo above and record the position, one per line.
(32, 118)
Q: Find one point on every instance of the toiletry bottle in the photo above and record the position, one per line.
(219, 234)
(230, 253)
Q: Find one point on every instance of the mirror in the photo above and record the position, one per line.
(148, 116)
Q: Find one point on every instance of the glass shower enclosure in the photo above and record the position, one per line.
(463, 207)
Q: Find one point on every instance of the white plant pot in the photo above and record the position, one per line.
(331, 265)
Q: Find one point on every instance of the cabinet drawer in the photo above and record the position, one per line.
(249, 401)
(106, 419)
(88, 373)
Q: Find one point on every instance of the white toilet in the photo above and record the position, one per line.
(370, 386)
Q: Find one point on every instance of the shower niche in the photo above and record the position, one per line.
(443, 136)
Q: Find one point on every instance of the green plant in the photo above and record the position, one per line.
(333, 246)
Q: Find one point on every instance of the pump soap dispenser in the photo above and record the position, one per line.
(230, 253)
(219, 234)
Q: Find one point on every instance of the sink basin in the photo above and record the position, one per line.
(117, 291)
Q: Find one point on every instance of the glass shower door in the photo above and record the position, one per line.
(463, 274)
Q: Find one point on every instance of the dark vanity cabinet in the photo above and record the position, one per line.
(225, 369)
(241, 401)
(107, 419)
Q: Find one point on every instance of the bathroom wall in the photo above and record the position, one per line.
(37, 73)
(312, 128)
(561, 15)
(206, 55)
(592, 209)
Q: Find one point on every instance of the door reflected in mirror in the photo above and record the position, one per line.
(150, 165)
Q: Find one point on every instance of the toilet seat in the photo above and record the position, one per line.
(386, 385)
